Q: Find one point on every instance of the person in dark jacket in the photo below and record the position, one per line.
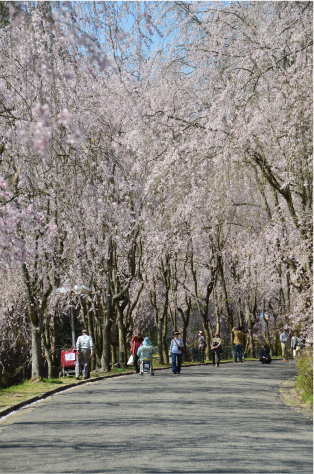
(265, 355)
(201, 345)
(216, 349)
(137, 341)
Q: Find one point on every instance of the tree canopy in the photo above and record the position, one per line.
(158, 154)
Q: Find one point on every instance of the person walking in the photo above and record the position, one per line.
(85, 350)
(284, 339)
(137, 341)
(238, 342)
(201, 345)
(176, 352)
(216, 349)
(296, 344)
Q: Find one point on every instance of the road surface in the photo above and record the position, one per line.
(207, 420)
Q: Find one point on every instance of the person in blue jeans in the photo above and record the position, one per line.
(176, 352)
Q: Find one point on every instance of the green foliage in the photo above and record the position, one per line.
(305, 373)
(15, 388)
(4, 15)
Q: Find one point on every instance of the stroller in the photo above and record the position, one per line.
(145, 354)
(68, 362)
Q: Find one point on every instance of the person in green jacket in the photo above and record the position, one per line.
(146, 351)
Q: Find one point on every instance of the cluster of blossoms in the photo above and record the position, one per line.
(175, 187)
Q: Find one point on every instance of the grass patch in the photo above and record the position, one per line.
(295, 398)
(304, 383)
(29, 388)
(18, 393)
(51, 381)
(307, 398)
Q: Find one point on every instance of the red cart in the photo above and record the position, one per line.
(68, 362)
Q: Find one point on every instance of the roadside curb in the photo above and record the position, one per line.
(37, 398)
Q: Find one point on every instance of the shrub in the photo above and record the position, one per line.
(305, 371)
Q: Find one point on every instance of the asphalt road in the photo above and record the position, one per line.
(207, 420)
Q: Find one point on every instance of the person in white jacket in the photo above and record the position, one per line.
(85, 350)
(176, 347)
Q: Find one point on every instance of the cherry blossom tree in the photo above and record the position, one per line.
(167, 179)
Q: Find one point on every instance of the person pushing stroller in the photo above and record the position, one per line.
(145, 354)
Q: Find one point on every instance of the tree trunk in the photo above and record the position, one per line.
(218, 320)
(218, 307)
(160, 322)
(208, 341)
(47, 348)
(113, 355)
(105, 357)
(185, 320)
(90, 326)
(50, 366)
(72, 326)
(240, 314)
(159, 333)
(98, 344)
(36, 353)
(251, 339)
(267, 337)
(251, 316)
(276, 339)
(107, 315)
(224, 287)
(165, 348)
(122, 344)
(54, 340)
(36, 314)
(203, 308)
(185, 356)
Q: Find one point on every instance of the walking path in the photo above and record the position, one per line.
(207, 420)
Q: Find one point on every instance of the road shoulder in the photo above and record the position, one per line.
(292, 397)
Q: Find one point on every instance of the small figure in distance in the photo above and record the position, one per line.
(216, 349)
(137, 341)
(176, 352)
(201, 345)
(265, 355)
(284, 339)
(85, 350)
(238, 343)
(296, 344)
